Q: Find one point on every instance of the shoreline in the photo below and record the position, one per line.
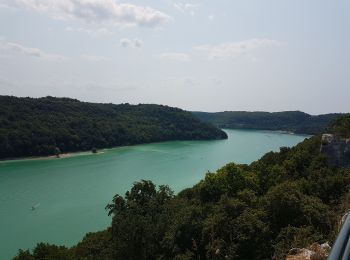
(48, 157)
(88, 152)
(62, 156)
(269, 130)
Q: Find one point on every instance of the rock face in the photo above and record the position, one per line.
(313, 252)
(336, 150)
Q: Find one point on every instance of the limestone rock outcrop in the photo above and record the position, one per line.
(314, 252)
(336, 149)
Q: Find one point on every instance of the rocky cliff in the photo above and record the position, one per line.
(336, 149)
(314, 252)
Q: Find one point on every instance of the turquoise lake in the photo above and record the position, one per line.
(69, 194)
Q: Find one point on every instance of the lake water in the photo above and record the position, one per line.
(70, 194)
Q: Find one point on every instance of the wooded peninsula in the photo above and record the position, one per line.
(50, 126)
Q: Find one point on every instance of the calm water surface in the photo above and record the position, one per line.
(70, 194)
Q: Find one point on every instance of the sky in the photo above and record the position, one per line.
(199, 55)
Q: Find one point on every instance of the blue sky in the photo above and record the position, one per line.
(204, 55)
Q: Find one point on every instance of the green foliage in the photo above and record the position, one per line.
(292, 121)
(286, 199)
(50, 126)
(341, 126)
(139, 222)
(294, 237)
(228, 180)
(44, 251)
(94, 246)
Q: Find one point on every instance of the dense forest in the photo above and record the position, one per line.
(293, 121)
(341, 127)
(47, 126)
(289, 198)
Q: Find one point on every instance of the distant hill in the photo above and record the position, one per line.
(293, 121)
(45, 126)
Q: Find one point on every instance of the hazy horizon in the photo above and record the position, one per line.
(183, 108)
(205, 55)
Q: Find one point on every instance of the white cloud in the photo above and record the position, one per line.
(95, 11)
(211, 17)
(90, 57)
(235, 49)
(125, 42)
(175, 56)
(190, 82)
(11, 48)
(216, 81)
(95, 32)
(185, 7)
(136, 43)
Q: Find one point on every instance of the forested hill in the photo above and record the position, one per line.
(287, 199)
(341, 126)
(293, 121)
(45, 126)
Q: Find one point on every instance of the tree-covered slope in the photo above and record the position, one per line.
(286, 199)
(341, 126)
(294, 121)
(32, 127)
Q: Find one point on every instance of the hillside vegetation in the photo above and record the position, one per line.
(289, 198)
(293, 121)
(341, 127)
(46, 126)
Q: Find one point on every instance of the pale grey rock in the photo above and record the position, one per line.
(336, 150)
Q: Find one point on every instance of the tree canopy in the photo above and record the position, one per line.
(341, 126)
